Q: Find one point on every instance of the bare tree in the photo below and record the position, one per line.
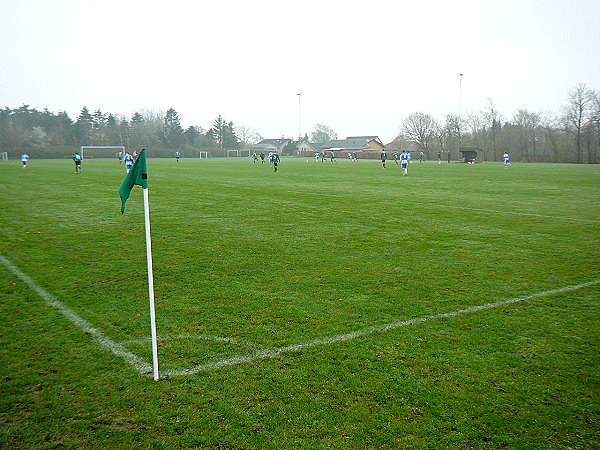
(552, 135)
(592, 130)
(492, 123)
(439, 134)
(477, 134)
(247, 135)
(146, 128)
(322, 133)
(528, 124)
(576, 114)
(452, 131)
(419, 128)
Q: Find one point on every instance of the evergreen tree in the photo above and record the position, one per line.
(136, 118)
(218, 131)
(61, 129)
(194, 136)
(83, 127)
(223, 134)
(112, 134)
(172, 131)
(124, 132)
(98, 127)
(230, 139)
(136, 131)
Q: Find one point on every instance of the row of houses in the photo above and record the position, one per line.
(361, 146)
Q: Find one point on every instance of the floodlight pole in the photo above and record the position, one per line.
(459, 113)
(299, 118)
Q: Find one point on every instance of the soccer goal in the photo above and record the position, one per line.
(91, 147)
(244, 153)
(4, 156)
(203, 155)
(235, 153)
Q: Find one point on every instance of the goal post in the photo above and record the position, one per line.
(3, 156)
(204, 155)
(235, 152)
(90, 147)
(244, 153)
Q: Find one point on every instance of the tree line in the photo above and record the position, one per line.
(572, 135)
(52, 134)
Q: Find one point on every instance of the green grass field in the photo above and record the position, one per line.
(301, 309)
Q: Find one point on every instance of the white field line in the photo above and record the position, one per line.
(275, 352)
(117, 349)
(146, 369)
(516, 213)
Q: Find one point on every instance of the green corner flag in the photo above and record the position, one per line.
(137, 175)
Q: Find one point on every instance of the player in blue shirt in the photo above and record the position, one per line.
(506, 158)
(128, 162)
(24, 159)
(404, 158)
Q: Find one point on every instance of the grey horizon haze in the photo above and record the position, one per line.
(361, 67)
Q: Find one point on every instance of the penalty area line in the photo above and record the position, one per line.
(115, 348)
(275, 352)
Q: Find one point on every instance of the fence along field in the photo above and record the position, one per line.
(252, 265)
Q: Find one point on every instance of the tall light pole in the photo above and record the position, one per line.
(299, 118)
(459, 113)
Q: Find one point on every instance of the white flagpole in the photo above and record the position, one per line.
(150, 285)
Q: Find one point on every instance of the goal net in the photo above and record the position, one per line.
(203, 155)
(89, 148)
(234, 153)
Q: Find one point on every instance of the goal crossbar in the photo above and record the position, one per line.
(100, 146)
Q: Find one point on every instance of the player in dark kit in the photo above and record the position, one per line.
(77, 158)
(383, 158)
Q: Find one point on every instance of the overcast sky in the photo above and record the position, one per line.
(361, 67)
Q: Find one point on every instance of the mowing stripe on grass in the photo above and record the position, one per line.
(516, 213)
(117, 349)
(275, 352)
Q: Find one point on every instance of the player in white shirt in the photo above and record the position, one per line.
(506, 158)
(24, 159)
(404, 159)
